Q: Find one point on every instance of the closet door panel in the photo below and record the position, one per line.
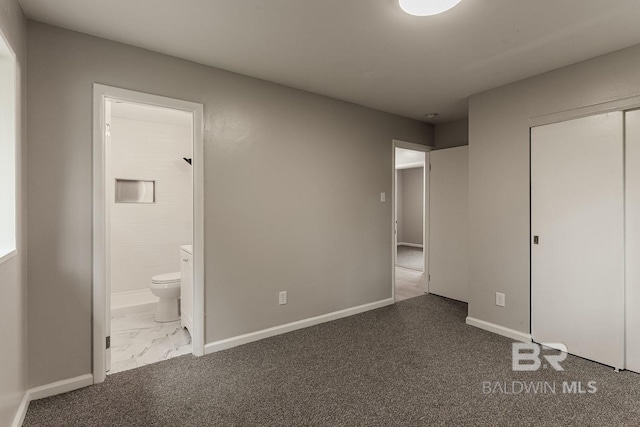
(632, 203)
(577, 212)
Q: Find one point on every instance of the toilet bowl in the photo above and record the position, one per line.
(167, 288)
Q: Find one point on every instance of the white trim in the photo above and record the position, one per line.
(396, 143)
(198, 338)
(426, 212)
(49, 390)
(101, 94)
(500, 330)
(99, 309)
(300, 324)
(15, 132)
(411, 146)
(411, 245)
(410, 165)
(60, 387)
(590, 110)
(22, 411)
(394, 226)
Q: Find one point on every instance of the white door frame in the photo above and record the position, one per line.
(425, 210)
(101, 94)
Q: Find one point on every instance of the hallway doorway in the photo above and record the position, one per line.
(410, 219)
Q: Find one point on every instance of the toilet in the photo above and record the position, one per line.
(167, 288)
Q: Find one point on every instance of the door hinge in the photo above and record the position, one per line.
(108, 343)
(429, 277)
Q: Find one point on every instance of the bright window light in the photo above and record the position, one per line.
(7, 150)
(427, 7)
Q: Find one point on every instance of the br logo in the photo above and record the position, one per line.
(526, 356)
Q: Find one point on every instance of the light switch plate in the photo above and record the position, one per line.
(500, 299)
(383, 197)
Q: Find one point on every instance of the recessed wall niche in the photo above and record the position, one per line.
(135, 191)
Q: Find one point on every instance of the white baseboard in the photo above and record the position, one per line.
(500, 330)
(22, 411)
(60, 387)
(282, 329)
(411, 245)
(49, 390)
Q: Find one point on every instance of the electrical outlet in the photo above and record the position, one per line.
(500, 299)
(383, 197)
(282, 298)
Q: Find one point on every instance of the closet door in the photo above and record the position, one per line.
(632, 188)
(577, 245)
(449, 223)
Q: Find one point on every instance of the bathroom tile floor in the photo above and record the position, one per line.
(137, 340)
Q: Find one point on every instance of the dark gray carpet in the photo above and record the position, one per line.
(410, 257)
(414, 363)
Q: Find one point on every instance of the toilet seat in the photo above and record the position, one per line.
(166, 279)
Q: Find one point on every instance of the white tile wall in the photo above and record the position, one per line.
(146, 238)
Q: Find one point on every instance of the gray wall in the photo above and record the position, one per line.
(452, 134)
(13, 287)
(323, 236)
(499, 173)
(410, 216)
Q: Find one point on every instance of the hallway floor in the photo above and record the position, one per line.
(408, 284)
(410, 257)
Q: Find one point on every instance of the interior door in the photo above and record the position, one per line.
(632, 205)
(577, 245)
(449, 223)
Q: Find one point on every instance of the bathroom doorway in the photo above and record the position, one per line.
(148, 231)
(410, 219)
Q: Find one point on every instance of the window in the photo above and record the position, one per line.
(7, 150)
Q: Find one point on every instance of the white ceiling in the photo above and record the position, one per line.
(364, 51)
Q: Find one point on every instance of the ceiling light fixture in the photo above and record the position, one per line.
(430, 116)
(427, 7)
